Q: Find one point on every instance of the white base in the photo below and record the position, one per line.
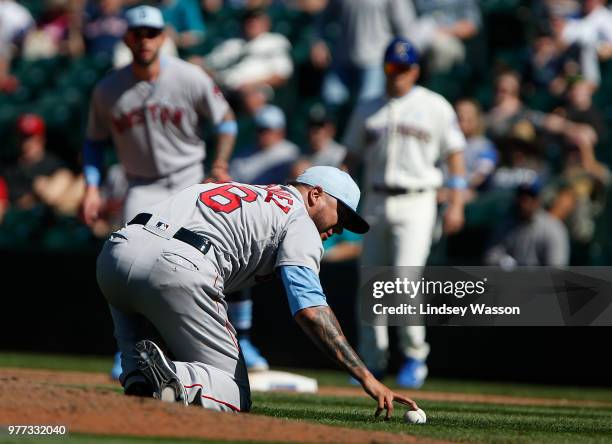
(271, 381)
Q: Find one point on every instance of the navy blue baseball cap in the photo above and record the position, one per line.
(531, 187)
(402, 52)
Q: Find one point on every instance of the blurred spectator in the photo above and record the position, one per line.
(558, 8)
(39, 176)
(259, 57)
(184, 20)
(509, 114)
(592, 33)
(113, 191)
(307, 6)
(480, 154)
(548, 65)
(254, 97)
(580, 107)
(546, 10)
(590, 197)
(15, 22)
(298, 167)
(323, 150)
(103, 26)
(56, 32)
(345, 246)
(532, 236)
(4, 198)
(249, 4)
(443, 26)
(522, 162)
(248, 102)
(563, 203)
(270, 159)
(211, 6)
(359, 30)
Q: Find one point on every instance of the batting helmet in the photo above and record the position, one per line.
(402, 52)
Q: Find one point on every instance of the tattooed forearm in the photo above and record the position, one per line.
(321, 325)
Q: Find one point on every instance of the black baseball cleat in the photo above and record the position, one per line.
(160, 372)
(137, 385)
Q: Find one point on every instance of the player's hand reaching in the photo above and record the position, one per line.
(92, 203)
(384, 396)
(320, 323)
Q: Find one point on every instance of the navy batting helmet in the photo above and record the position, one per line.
(402, 52)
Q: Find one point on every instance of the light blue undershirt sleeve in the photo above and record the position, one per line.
(93, 161)
(228, 127)
(302, 286)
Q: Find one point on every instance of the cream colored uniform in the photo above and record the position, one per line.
(401, 142)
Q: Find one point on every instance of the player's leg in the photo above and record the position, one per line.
(176, 292)
(184, 303)
(414, 219)
(374, 340)
(129, 327)
(240, 311)
(140, 195)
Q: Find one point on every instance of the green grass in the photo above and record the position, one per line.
(337, 378)
(56, 362)
(465, 422)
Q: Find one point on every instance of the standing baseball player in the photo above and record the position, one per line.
(171, 266)
(400, 138)
(152, 111)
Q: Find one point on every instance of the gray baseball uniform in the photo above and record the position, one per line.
(144, 272)
(155, 127)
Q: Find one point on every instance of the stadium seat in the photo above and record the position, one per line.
(488, 208)
(67, 234)
(21, 227)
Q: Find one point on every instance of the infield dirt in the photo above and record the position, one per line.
(85, 403)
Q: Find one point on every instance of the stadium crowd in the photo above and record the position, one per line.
(529, 81)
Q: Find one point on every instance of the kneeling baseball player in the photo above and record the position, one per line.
(170, 267)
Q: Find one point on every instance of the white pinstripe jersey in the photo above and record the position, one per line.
(401, 140)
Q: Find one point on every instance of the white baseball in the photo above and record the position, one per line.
(415, 417)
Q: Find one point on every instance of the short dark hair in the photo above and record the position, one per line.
(254, 13)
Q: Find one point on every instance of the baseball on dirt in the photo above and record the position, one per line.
(415, 417)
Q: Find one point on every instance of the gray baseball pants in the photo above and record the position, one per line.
(151, 281)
